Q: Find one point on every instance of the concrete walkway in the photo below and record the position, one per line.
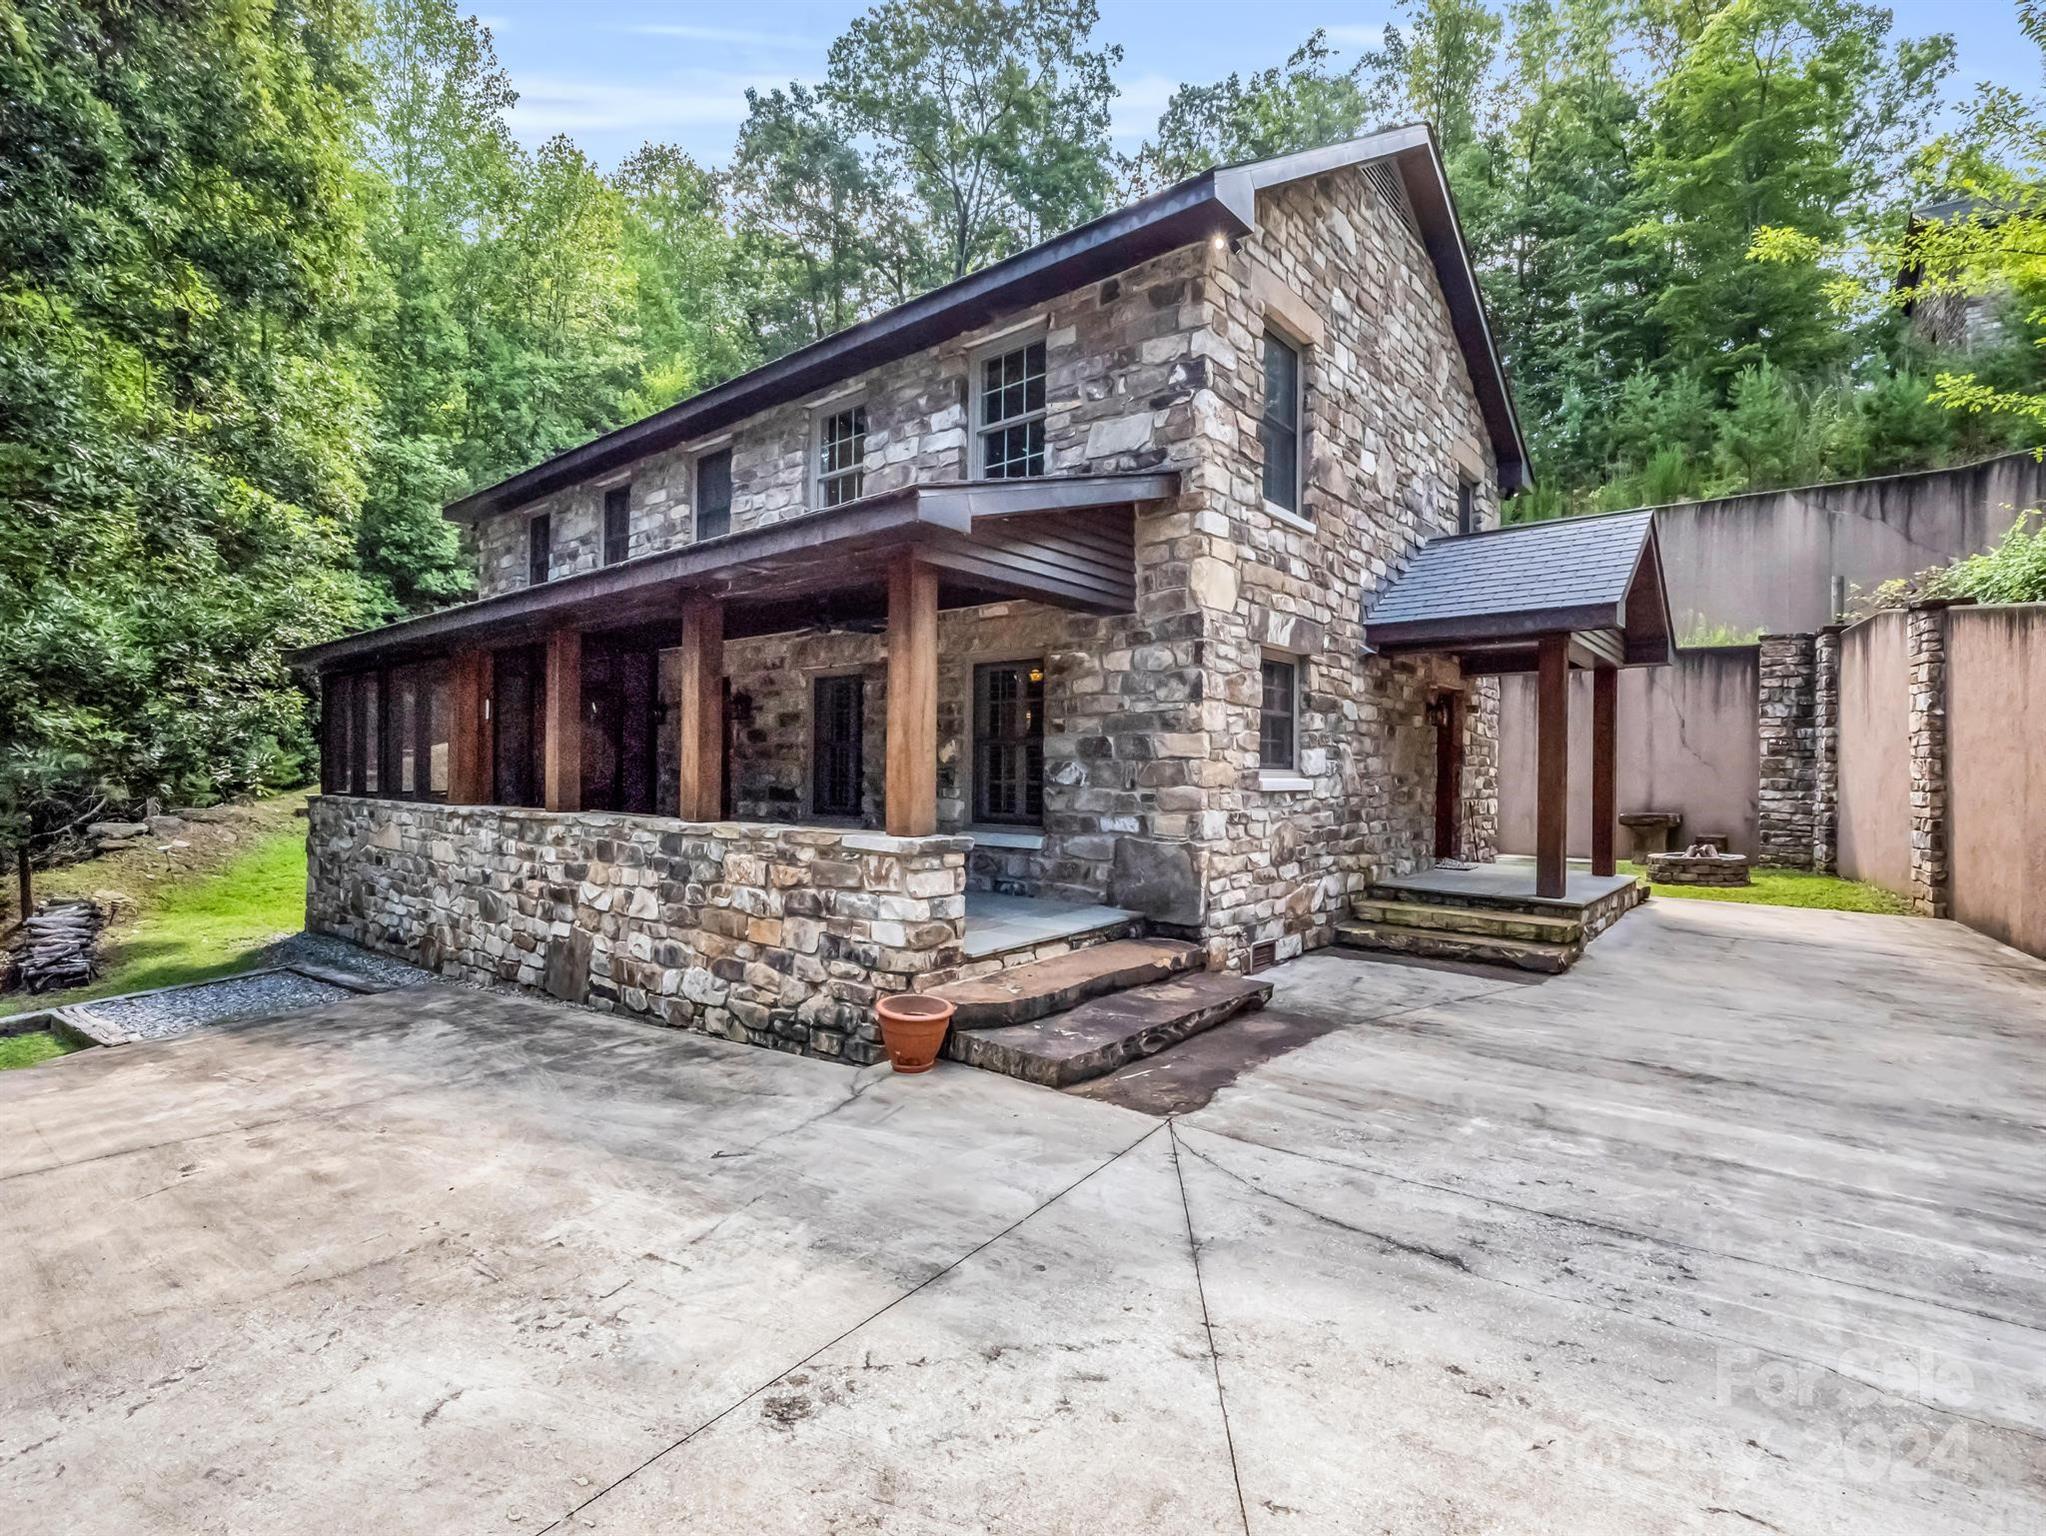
(1734, 1228)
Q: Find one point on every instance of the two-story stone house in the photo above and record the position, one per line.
(1048, 584)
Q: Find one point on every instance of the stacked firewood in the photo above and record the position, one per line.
(56, 948)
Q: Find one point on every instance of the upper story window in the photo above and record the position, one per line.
(1466, 507)
(1009, 412)
(617, 523)
(841, 447)
(539, 549)
(714, 494)
(1278, 714)
(1279, 428)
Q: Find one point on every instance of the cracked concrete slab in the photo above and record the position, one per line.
(1734, 1227)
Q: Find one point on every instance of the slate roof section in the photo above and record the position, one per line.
(1222, 201)
(1576, 573)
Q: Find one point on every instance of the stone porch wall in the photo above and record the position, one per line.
(775, 935)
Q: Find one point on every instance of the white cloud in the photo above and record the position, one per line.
(739, 36)
(1134, 115)
(689, 98)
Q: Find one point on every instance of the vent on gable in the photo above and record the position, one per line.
(1385, 181)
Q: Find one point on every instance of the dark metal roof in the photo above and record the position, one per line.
(1064, 539)
(1568, 575)
(1220, 201)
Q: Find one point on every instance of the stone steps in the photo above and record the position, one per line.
(1107, 1031)
(1439, 943)
(1026, 993)
(1484, 922)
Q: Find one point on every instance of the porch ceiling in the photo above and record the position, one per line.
(1490, 597)
(1065, 540)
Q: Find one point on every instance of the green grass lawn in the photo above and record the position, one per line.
(1790, 888)
(209, 925)
(26, 1050)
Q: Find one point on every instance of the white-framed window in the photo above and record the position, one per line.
(1278, 713)
(1008, 410)
(1280, 427)
(841, 450)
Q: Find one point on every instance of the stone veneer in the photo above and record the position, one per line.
(775, 935)
(1926, 642)
(1154, 799)
(1788, 735)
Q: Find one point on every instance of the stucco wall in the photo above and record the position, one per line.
(1875, 751)
(1996, 774)
(1686, 742)
(1777, 561)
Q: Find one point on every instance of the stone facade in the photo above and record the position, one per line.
(1826, 750)
(1154, 796)
(776, 935)
(1930, 869)
(1786, 725)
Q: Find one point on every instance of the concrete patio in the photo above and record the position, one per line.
(1735, 1227)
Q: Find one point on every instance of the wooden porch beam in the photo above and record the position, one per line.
(561, 752)
(1552, 764)
(1605, 701)
(912, 805)
(469, 755)
(700, 742)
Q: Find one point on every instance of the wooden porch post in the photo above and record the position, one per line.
(561, 761)
(1552, 764)
(700, 743)
(1605, 700)
(469, 760)
(912, 809)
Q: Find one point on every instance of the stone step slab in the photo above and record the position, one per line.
(1098, 1036)
(1044, 987)
(1450, 944)
(1498, 923)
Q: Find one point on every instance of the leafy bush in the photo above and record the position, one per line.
(2013, 572)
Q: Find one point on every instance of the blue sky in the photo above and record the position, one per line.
(613, 73)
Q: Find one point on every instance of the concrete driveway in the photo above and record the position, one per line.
(1736, 1228)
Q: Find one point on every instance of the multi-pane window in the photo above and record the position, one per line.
(617, 523)
(1278, 714)
(539, 549)
(1279, 428)
(1009, 407)
(1466, 507)
(385, 733)
(841, 446)
(838, 708)
(1008, 742)
(714, 495)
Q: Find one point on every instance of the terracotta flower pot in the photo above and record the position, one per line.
(913, 1026)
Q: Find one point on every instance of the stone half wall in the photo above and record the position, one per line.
(775, 935)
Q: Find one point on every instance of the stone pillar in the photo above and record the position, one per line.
(1927, 650)
(1826, 750)
(1787, 742)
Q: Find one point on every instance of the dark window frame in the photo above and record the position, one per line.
(1008, 762)
(1282, 424)
(373, 720)
(713, 518)
(539, 549)
(1466, 506)
(618, 524)
(841, 459)
(1009, 409)
(1278, 714)
(838, 762)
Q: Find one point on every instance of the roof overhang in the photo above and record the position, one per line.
(1625, 625)
(1064, 540)
(1220, 202)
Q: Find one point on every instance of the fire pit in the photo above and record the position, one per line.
(1700, 864)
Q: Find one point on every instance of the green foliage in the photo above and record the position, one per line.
(31, 1049)
(1792, 888)
(2013, 572)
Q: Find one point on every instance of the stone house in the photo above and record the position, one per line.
(1041, 594)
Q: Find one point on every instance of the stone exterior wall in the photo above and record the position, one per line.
(1787, 729)
(1927, 649)
(1826, 750)
(775, 935)
(1154, 797)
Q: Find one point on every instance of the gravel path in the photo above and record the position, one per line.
(339, 955)
(157, 1015)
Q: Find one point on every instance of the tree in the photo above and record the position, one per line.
(1301, 104)
(687, 278)
(182, 412)
(990, 118)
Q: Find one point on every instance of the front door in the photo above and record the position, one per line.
(837, 748)
(1445, 713)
